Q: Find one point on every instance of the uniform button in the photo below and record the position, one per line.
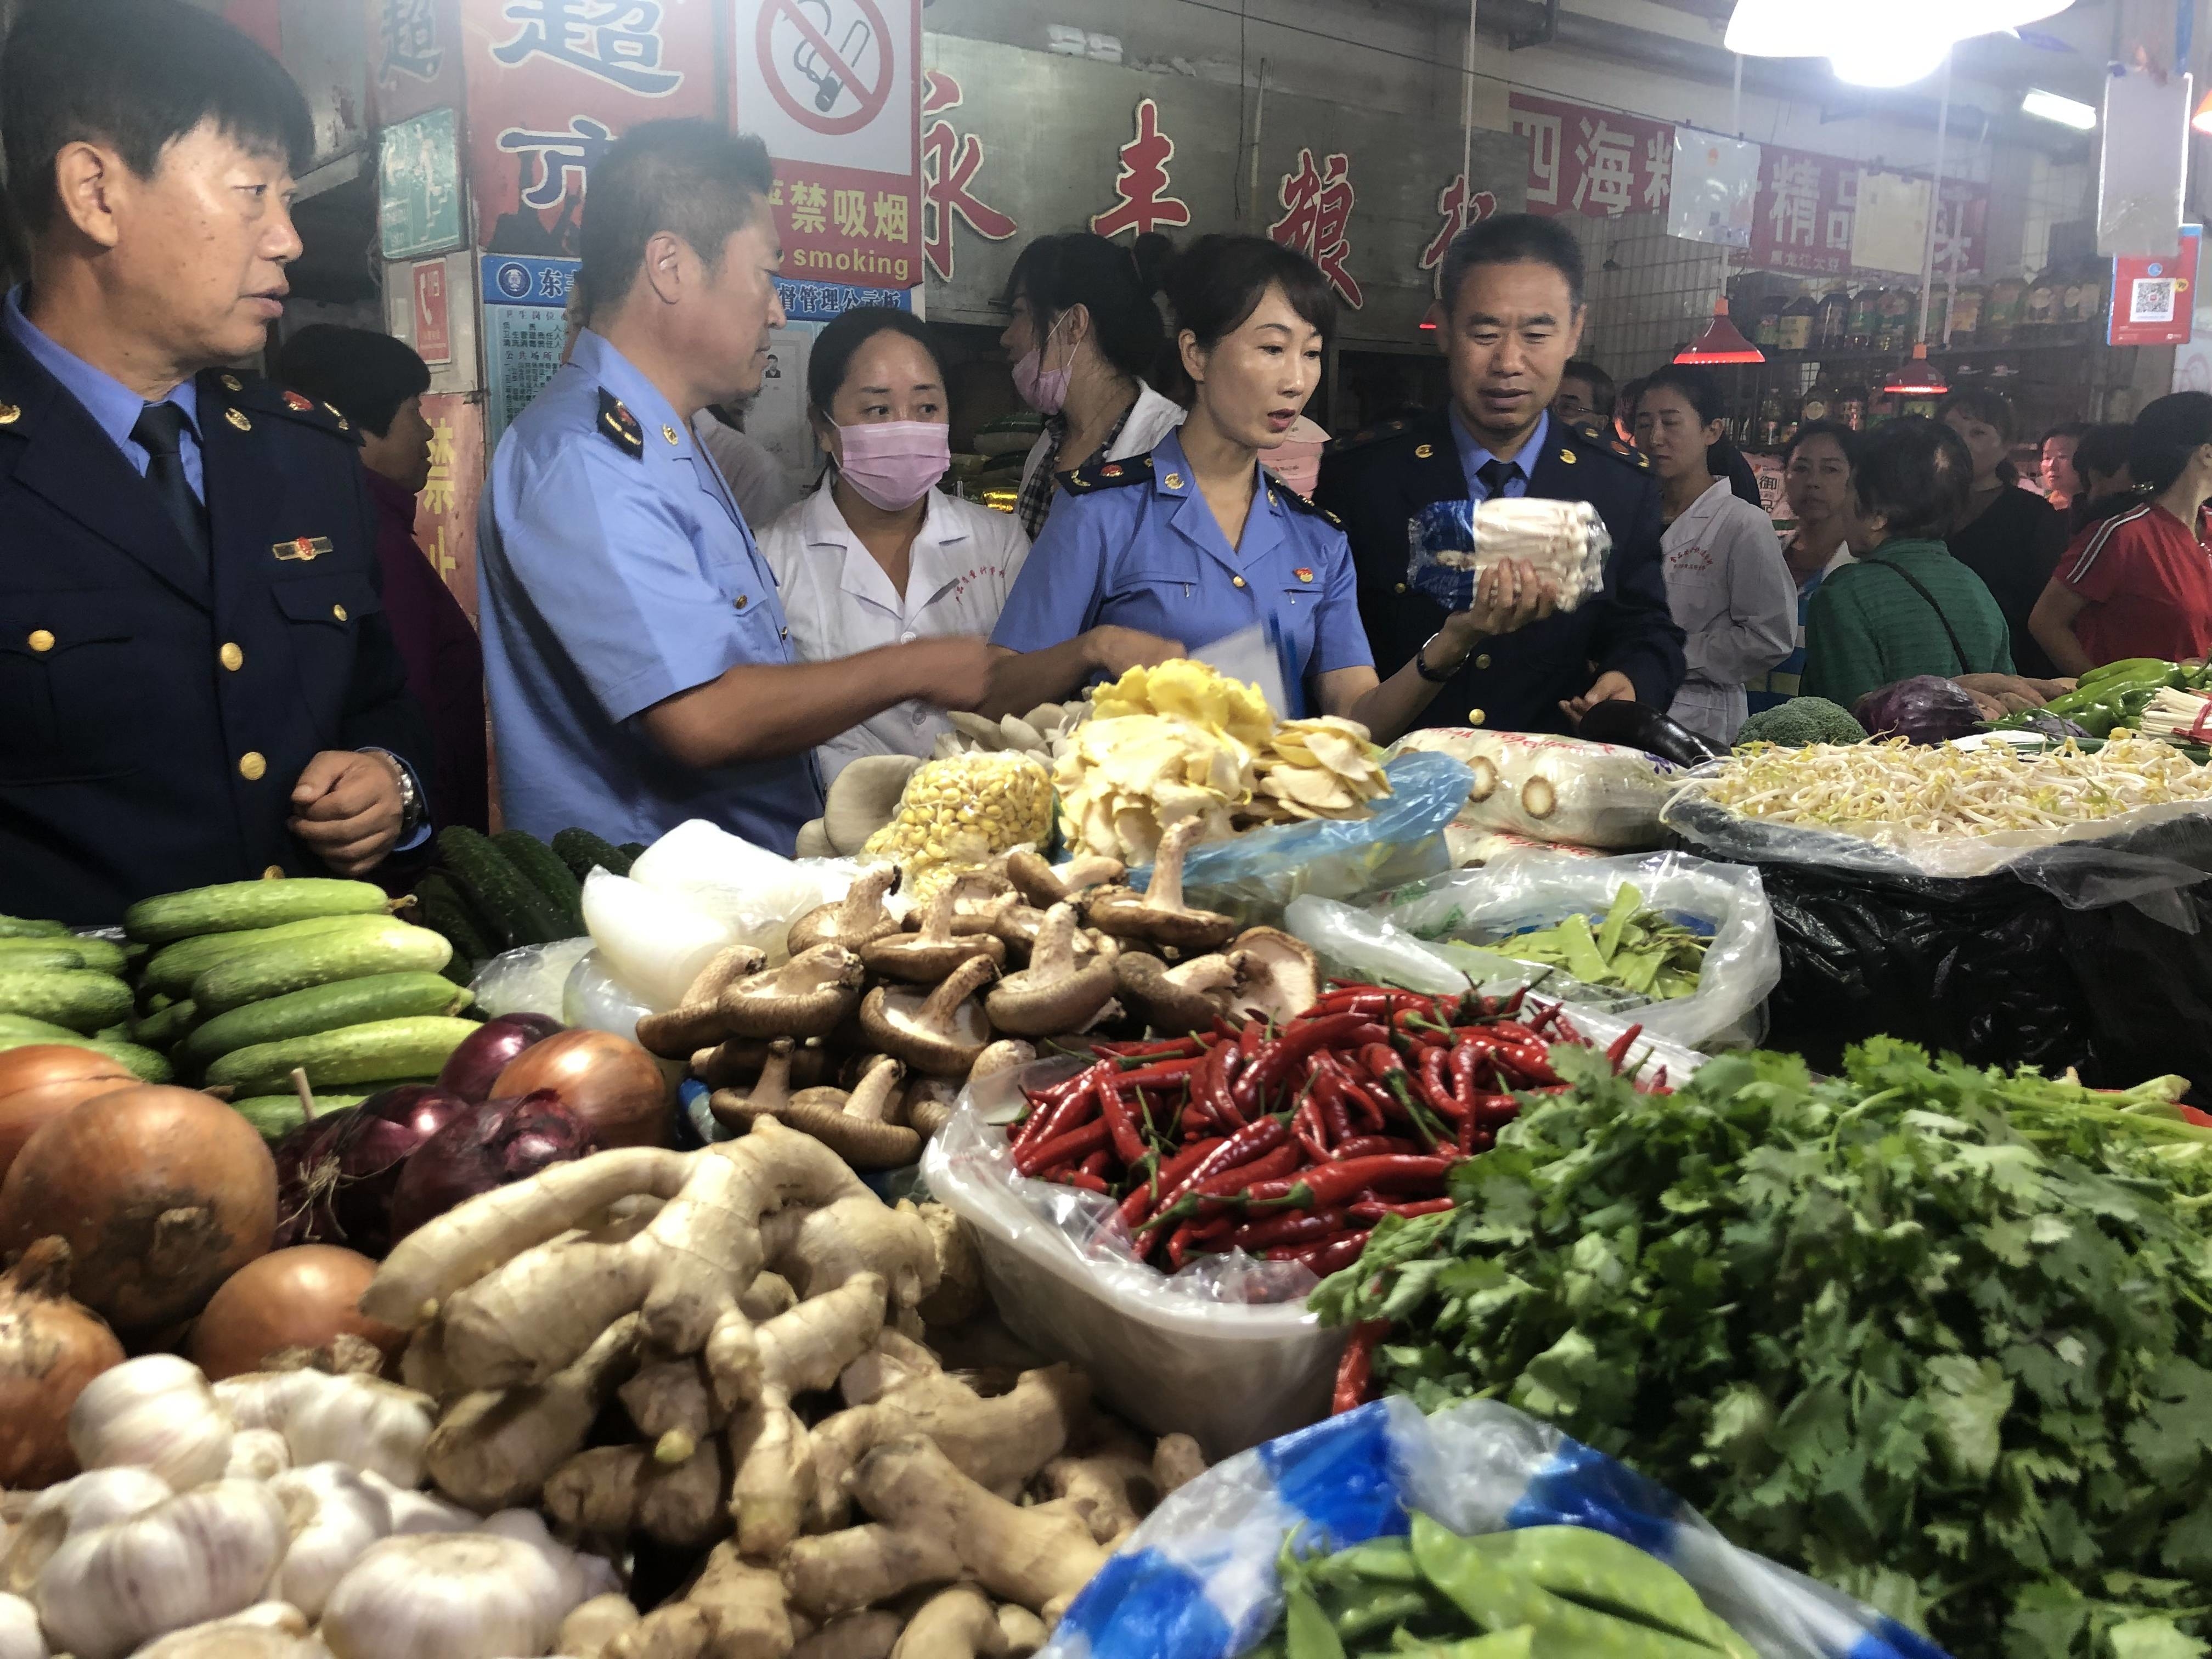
(1402, 587)
(907, 638)
(1483, 661)
(1237, 581)
(738, 604)
(1475, 717)
(40, 639)
(339, 611)
(233, 658)
(274, 873)
(252, 766)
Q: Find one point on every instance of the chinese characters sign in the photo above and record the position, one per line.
(1593, 162)
(950, 162)
(834, 88)
(1317, 203)
(2153, 300)
(524, 331)
(1807, 213)
(445, 512)
(1144, 188)
(1456, 208)
(413, 57)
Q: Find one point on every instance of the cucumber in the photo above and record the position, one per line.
(30, 927)
(165, 1028)
(15, 1025)
(236, 906)
(444, 907)
(352, 1054)
(323, 1008)
(277, 1115)
(174, 967)
(388, 947)
(143, 1063)
(36, 955)
(102, 956)
(542, 869)
(632, 850)
(582, 851)
(74, 997)
(522, 914)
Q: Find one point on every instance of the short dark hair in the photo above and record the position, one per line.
(1846, 439)
(1917, 477)
(135, 75)
(362, 374)
(1114, 284)
(1696, 387)
(690, 177)
(1511, 239)
(2103, 449)
(2168, 431)
(1991, 408)
(2074, 430)
(1603, 390)
(835, 347)
(1217, 285)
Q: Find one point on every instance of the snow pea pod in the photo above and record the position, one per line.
(1308, 1632)
(1379, 1608)
(1607, 1575)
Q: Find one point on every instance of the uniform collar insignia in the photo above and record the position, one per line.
(619, 426)
(302, 548)
(294, 402)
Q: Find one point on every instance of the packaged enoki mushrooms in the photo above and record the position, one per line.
(1451, 544)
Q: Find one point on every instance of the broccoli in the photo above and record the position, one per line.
(1800, 721)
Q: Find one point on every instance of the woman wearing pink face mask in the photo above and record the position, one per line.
(1084, 335)
(878, 555)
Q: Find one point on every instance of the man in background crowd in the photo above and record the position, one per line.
(1586, 395)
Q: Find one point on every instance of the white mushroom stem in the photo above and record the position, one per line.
(1165, 891)
(1052, 956)
(937, 922)
(941, 1007)
(878, 1091)
(1091, 870)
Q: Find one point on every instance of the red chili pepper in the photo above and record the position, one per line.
(1159, 1073)
(1150, 1184)
(1096, 1164)
(1279, 1061)
(1337, 1256)
(1544, 1018)
(1357, 1369)
(1128, 1144)
(1371, 1211)
(1179, 1244)
(1072, 1112)
(1329, 1095)
(1062, 1149)
(1435, 1087)
(1298, 1228)
(1212, 1087)
(1373, 1147)
(1335, 1183)
(1085, 1179)
(1045, 1102)
(1169, 1048)
(1531, 1065)
(1249, 1143)
(1306, 1126)
(1619, 1050)
(1249, 1039)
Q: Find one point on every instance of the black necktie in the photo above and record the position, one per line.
(161, 434)
(1494, 475)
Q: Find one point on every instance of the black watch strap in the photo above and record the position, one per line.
(1421, 663)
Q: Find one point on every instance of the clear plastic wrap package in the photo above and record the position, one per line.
(1360, 944)
(594, 997)
(1224, 1350)
(1469, 916)
(1254, 875)
(528, 980)
(753, 894)
(1197, 1579)
(1552, 788)
(1450, 544)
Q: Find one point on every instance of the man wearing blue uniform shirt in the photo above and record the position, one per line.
(197, 682)
(639, 667)
(1510, 315)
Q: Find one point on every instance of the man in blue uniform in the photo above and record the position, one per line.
(1510, 316)
(640, 669)
(197, 683)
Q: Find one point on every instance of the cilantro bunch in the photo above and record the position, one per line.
(1939, 1336)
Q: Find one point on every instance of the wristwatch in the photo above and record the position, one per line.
(411, 809)
(1421, 661)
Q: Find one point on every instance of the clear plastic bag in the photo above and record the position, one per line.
(1224, 1350)
(528, 981)
(594, 997)
(1255, 875)
(1197, 1578)
(1469, 916)
(752, 894)
(1554, 789)
(1450, 544)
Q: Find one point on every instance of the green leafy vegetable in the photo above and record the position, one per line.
(1940, 1336)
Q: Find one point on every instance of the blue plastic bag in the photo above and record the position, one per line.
(1253, 876)
(1196, 1580)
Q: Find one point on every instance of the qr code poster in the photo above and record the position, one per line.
(2153, 299)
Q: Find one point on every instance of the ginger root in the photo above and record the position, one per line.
(612, 1491)
(960, 1622)
(856, 1636)
(495, 1448)
(591, 1626)
(734, 1610)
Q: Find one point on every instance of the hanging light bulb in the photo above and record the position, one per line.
(2201, 121)
(1876, 43)
(1918, 378)
(1721, 343)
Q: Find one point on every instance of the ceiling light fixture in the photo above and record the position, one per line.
(2066, 111)
(1918, 378)
(2201, 121)
(1721, 343)
(1876, 43)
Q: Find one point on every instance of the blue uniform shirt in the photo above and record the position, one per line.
(1136, 546)
(616, 571)
(113, 406)
(1473, 456)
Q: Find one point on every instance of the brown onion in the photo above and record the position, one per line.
(161, 1193)
(50, 1348)
(607, 1080)
(302, 1297)
(43, 1080)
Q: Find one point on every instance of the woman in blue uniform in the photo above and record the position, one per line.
(1163, 553)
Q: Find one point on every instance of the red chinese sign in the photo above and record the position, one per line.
(551, 85)
(1802, 220)
(433, 333)
(1593, 162)
(2153, 300)
(413, 57)
(950, 162)
(1143, 188)
(1317, 203)
(446, 511)
(1457, 210)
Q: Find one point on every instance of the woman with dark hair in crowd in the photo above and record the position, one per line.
(2061, 480)
(1905, 605)
(2140, 584)
(2100, 461)
(878, 555)
(1084, 335)
(2010, 538)
(1816, 477)
(1726, 584)
(1195, 542)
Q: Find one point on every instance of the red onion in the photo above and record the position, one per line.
(485, 1147)
(338, 1173)
(470, 1069)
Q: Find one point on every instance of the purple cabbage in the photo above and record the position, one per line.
(1923, 709)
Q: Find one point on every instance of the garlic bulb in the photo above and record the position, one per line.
(458, 1595)
(75, 1505)
(363, 1422)
(19, 1630)
(420, 1511)
(267, 1629)
(582, 1575)
(256, 1454)
(198, 1556)
(156, 1412)
(335, 1515)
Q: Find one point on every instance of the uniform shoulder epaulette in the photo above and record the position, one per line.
(619, 426)
(1107, 475)
(1599, 440)
(1367, 437)
(1298, 503)
(261, 395)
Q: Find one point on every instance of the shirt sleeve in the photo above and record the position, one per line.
(1059, 593)
(1759, 628)
(613, 572)
(1339, 636)
(1843, 660)
(1635, 633)
(2098, 565)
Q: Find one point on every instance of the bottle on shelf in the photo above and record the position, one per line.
(1851, 407)
(2038, 313)
(1964, 323)
(1865, 318)
(1769, 434)
(2000, 312)
(2088, 303)
(1794, 329)
(1900, 310)
(1818, 403)
(1938, 301)
(1832, 320)
(1765, 328)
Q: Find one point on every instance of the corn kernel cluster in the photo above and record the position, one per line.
(962, 810)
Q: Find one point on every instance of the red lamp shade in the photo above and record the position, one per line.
(1918, 378)
(1721, 343)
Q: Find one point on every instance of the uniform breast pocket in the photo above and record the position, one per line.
(72, 689)
(760, 637)
(1157, 599)
(322, 618)
(1298, 617)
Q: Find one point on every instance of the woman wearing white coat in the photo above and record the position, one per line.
(878, 555)
(1085, 332)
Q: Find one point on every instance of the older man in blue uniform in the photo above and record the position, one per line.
(639, 667)
(197, 683)
(1510, 315)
